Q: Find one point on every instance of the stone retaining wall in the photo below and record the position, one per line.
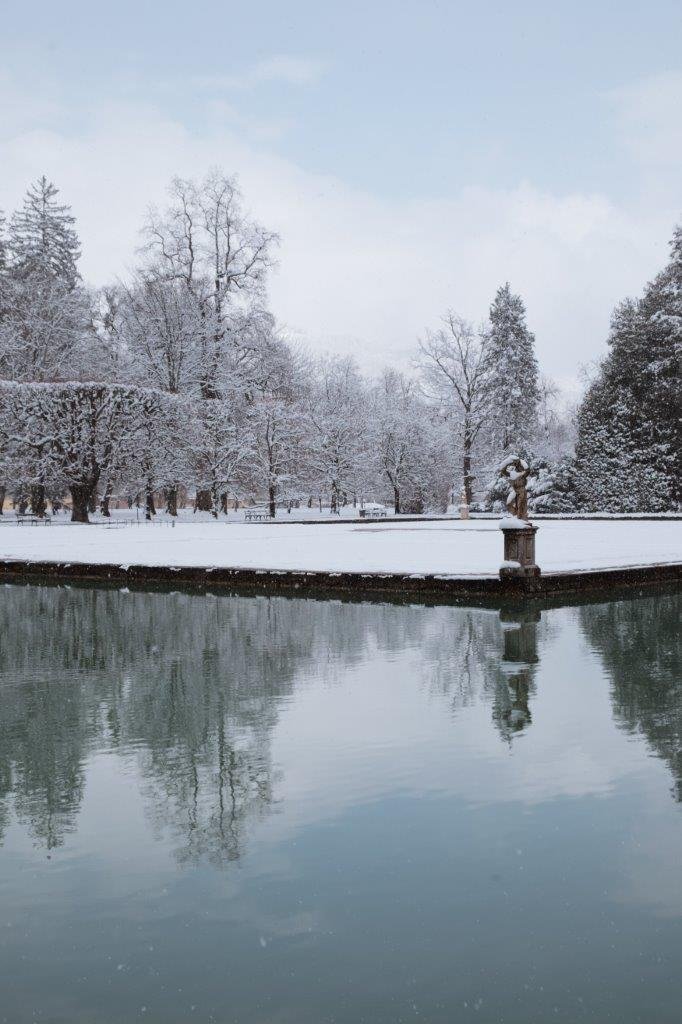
(414, 586)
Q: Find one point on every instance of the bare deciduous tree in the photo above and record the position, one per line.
(454, 366)
(205, 240)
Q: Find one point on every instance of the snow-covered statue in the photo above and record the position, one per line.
(516, 470)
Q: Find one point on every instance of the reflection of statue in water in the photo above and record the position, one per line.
(516, 470)
(476, 654)
(511, 711)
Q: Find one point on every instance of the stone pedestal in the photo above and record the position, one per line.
(519, 549)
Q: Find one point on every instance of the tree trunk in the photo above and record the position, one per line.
(38, 502)
(171, 496)
(215, 501)
(80, 501)
(466, 468)
(3, 492)
(396, 500)
(203, 501)
(104, 503)
(273, 506)
(223, 502)
(149, 507)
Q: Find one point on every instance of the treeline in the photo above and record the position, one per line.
(180, 380)
(629, 444)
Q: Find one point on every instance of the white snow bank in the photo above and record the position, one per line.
(458, 548)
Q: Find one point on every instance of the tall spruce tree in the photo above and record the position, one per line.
(629, 446)
(45, 323)
(44, 310)
(513, 391)
(42, 237)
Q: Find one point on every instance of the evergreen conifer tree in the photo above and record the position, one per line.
(629, 446)
(514, 394)
(42, 237)
(44, 310)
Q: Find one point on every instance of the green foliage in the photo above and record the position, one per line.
(629, 447)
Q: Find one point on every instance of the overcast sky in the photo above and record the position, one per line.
(412, 155)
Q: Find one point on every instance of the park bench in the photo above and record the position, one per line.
(373, 513)
(32, 520)
(255, 515)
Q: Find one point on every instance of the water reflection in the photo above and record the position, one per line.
(638, 642)
(479, 652)
(190, 684)
(511, 707)
(191, 687)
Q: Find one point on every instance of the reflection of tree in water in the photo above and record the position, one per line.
(189, 684)
(42, 723)
(638, 641)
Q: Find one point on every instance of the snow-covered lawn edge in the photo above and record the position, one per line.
(432, 551)
(455, 547)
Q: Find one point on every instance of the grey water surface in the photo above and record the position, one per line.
(250, 809)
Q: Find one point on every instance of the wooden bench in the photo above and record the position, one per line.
(373, 513)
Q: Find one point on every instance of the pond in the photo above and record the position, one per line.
(249, 809)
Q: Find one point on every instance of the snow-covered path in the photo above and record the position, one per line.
(452, 548)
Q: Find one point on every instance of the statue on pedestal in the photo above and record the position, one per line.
(516, 470)
(519, 533)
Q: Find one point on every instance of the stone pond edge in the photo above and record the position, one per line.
(413, 585)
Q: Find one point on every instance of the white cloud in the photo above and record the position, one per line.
(358, 272)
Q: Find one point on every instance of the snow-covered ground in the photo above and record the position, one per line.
(452, 548)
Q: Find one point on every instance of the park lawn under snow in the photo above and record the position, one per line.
(451, 548)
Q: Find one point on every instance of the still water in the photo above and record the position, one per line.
(235, 809)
